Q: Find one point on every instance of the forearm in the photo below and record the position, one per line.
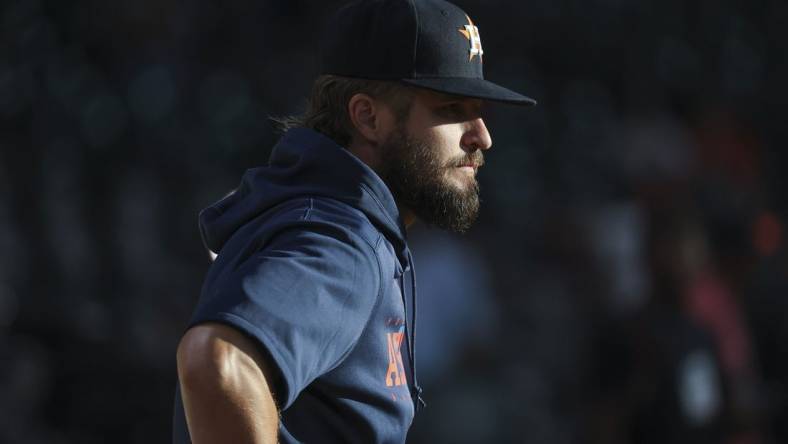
(226, 394)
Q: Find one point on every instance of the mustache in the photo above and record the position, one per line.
(476, 158)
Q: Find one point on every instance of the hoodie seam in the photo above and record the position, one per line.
(378, 298)
(308, 209)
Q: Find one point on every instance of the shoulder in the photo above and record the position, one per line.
(320, 214)
(321, 210)
(328, 231)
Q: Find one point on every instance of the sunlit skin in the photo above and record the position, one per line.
(452, 124)
(455, 125)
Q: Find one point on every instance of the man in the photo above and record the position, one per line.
(305, 329)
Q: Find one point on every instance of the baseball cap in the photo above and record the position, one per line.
(431, 44)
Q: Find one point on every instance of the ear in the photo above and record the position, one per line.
(370, 118)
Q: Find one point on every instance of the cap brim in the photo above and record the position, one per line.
(469, 87)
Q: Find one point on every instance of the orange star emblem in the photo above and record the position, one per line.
(471, 32)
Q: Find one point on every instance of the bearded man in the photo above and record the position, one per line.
(305, 328)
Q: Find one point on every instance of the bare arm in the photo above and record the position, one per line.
(226, 387)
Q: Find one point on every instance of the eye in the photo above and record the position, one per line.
(452, 110)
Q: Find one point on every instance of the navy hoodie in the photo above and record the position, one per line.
(314, 266)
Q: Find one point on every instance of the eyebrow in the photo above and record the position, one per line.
(447, 98)
(437, 99)
(451, 98)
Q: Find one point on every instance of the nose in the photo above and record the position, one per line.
(476, 135)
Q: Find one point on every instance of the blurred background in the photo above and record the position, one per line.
(626, 282)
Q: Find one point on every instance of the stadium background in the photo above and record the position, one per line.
(626, 281)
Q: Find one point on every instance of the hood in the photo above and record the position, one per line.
(306, 163)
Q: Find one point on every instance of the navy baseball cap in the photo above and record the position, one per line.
(431, 44)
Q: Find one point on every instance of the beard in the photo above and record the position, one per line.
(419, 180)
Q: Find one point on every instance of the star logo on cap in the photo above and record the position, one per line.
(471, 32)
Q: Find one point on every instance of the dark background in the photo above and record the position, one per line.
(626, 281)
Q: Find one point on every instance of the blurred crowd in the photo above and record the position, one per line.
(625, 282)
